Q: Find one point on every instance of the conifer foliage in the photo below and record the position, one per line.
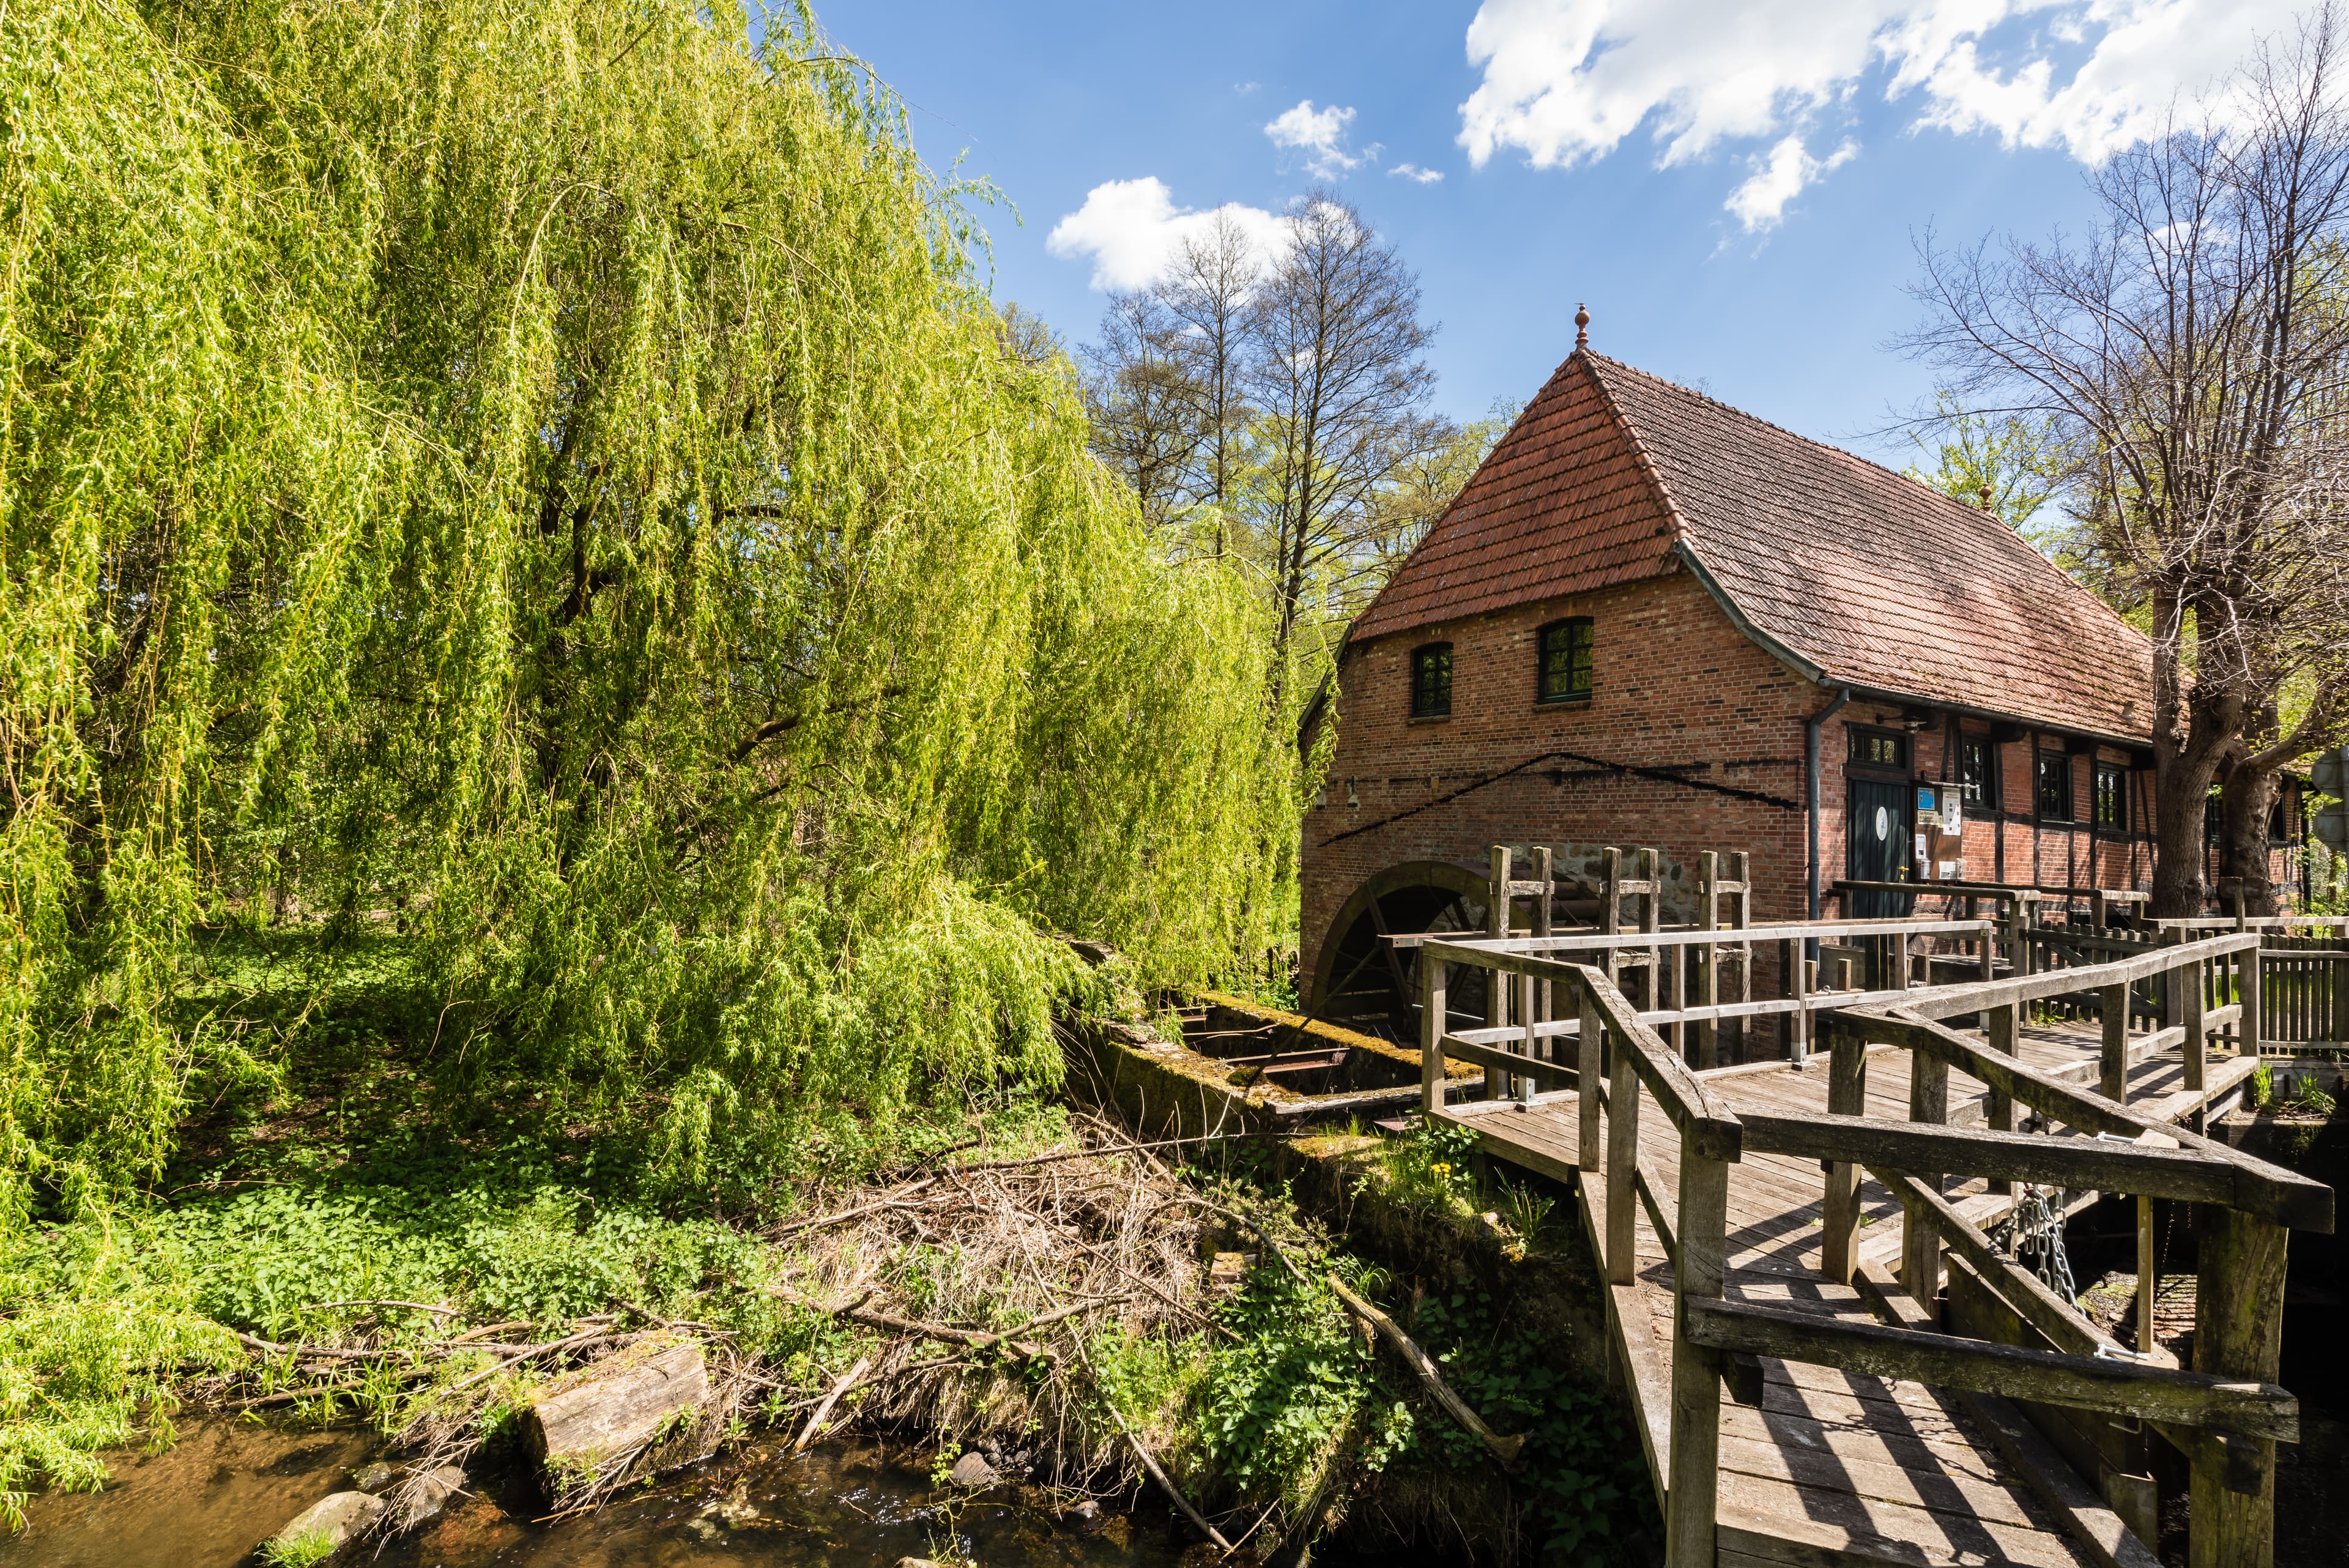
(548, 480)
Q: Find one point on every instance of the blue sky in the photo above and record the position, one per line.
(1734, 186)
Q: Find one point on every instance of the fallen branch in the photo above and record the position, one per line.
(1254, 1227)
(1505, 1449)
(981, 1339)
(815, 1422)
(1166, 1483)
(536, 1350)
(412, 1306)
(895, 1200)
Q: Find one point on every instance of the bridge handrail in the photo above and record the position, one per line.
(2226, 1417)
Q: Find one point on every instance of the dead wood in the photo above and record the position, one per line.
(832, 1397)
(1505, 1449)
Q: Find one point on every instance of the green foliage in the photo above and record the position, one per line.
(1433, 1167)
(1277, 1402)
(2262, 1086)
(551, 483)
(2307, 1099)
(299, 1550)
(2018, 463)
(1583, 1472)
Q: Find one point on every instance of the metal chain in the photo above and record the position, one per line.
(2034, 1230)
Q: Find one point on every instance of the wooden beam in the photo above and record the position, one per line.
(1697, 1277)
(2077, 1163)
(2238, 1333)
(1846, 1096)
(2261, 1188)
(2114, 1388)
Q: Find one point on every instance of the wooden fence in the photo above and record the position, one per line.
(2227, 1414)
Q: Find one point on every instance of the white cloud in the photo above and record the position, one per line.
(1412, 172)
(1567, 81)
(1130, 229)
(1319, 134)
(1778, 177)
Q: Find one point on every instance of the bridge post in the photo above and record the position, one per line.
(1623, 1167)
(2238, 1333)
(1431, 1031)
(2002, 1024)
(1691, 1493)
(2115, 1005)
(1846, 1096)
(2249, 1035)
(1920, 1238)
(2190, 986)
(1496, 984)
(1708, 917)
(1590, 1066)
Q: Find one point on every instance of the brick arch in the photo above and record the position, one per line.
(1436, 884)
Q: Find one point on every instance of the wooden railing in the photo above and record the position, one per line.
(2304, 989)
(2226, 1415)
(1522, 1033)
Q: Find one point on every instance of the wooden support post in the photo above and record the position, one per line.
(1846, 1096)
(1610, 912)
(1790, 967)
(1431, 1031)
(2002, 1024)
(1547, 996)
(1622, 1167)
(1920, 1238)
(1801, 1049)
(1697, 1275)
(2252, 1032)
(2238, 1333)
(1708, 917)
(2190, 984)
(2113, 1084)
(1740, 917)
(1496, 987)
(1592, 1065)
(2147, 1282)
(2339, 972)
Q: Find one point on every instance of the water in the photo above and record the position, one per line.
(226, 1485)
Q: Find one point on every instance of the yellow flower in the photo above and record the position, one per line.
(1439, 1168)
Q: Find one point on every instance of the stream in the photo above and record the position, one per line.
(226, 1486)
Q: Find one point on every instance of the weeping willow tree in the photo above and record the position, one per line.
(549, 477)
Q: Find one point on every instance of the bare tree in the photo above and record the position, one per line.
(2188, 355)
(1141, 401)
(1341, 382)
(1211, 290)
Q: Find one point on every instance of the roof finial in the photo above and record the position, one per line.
(1985, 497)
(1582, 327)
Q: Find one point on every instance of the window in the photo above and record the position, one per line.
(2214, 817)
(2054, 786)
(1430, 681)
(2112, 798)
(1978, 771)
(1565, 661)
(1879, 749)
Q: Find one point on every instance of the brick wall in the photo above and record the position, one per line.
(1675, 683)
(1676, 688)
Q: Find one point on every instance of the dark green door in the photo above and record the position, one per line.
(1878, 831)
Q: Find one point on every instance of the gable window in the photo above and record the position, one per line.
(2054, 786)
(1430, 681)
(1879, 749)
(1978, 771)
(2112, 798)
(1565, 661)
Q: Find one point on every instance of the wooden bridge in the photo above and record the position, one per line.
(1775, 1236)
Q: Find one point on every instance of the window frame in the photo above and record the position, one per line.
(1424, 698)
(2041, 760)
(1859, 737)
(1567, 626)
(1982, 792)
(2116, 774)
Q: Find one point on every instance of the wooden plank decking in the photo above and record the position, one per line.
(1831, 1469)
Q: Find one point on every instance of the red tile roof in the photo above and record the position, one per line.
(1858, 576)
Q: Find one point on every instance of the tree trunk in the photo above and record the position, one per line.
(2185, 759)
(2250, 797)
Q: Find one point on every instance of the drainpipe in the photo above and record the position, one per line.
(1811, 788)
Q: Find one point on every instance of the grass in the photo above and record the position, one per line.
(314, 1545)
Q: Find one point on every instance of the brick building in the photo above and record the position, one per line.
(1651, 619)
